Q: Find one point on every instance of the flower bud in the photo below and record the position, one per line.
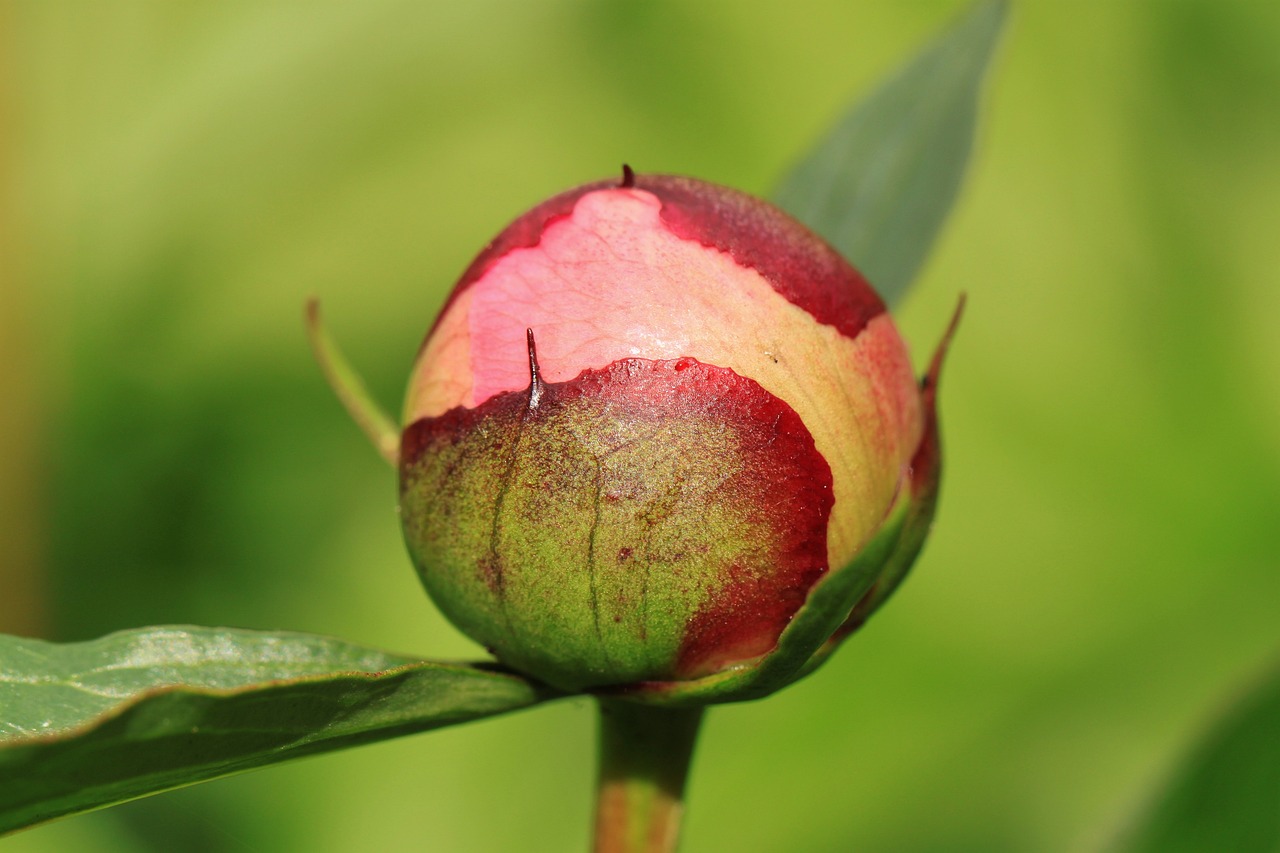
(651, 421)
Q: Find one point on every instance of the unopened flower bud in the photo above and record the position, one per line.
(651, 420)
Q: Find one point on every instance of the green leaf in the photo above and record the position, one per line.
(86, 725)
(1226, 796)
(880, 184)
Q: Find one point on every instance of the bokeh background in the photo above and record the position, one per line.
(1105, 570)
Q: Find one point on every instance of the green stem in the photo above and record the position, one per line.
(644, 760)
(346, 383)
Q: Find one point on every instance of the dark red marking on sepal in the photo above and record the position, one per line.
(787, 484)
(778, 486)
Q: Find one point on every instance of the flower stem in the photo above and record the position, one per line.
(644, 761)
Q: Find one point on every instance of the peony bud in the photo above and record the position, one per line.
(652, 422)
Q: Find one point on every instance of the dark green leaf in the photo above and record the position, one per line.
(85, 725)
(1227, 795)
(880, 184)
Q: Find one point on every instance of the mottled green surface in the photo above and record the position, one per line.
(809, 638)
(100, 722)
(587, 534)
(1104, 562)
(517, 543)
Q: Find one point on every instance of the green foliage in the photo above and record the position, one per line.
(91, 724)
(1104, 560)
(105, 721)
(1227, 794)
(881, 183)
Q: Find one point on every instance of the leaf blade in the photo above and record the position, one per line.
(1226, 795)
(140, 712)
(880, 184)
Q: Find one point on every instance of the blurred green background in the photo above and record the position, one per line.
(1105, 570)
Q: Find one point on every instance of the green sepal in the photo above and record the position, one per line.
(909, 536)
(824, 611)
(925, 481)
(843, 600)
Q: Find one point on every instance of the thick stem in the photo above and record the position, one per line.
(644, 760)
